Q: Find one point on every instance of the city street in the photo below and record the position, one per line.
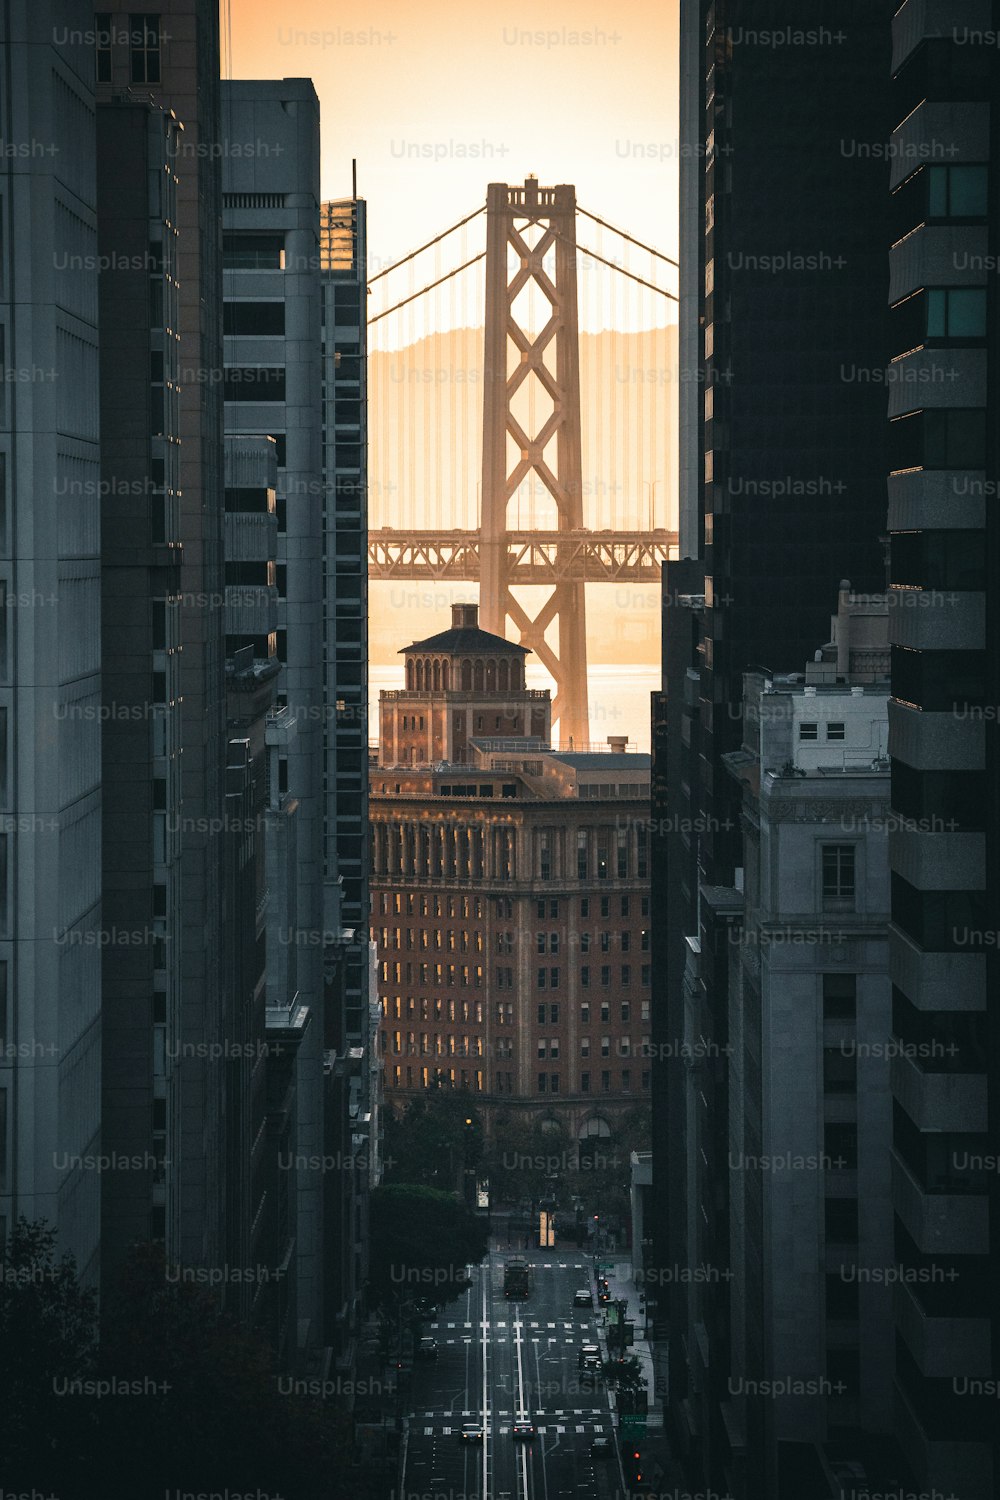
(497, 1361)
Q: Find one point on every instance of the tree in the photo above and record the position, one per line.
(48, 1341)
(421, 1240)
(431, 1141)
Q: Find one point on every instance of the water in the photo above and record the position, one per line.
(619, 697)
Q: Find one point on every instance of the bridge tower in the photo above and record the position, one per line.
(553, 453)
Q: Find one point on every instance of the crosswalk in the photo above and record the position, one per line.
(445, 1423)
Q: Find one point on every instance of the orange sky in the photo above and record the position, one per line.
(437, 99)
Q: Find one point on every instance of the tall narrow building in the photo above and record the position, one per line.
(168, 57)
(944, 459)
(784, 329)
(273, 372)
(50, 631)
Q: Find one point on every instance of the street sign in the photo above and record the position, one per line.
(632, 1426)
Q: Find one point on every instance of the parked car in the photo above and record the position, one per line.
(583, 1298)
(427, 1349)
(470, 1432)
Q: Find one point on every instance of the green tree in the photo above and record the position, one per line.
(48, 1341)
(421, 1240)
(434, 1140)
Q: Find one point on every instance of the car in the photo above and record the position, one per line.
(524, 1430)
(589, 1357)
(583, 1298)
(425, 1307)
(470, 1432)
(601, 1447)
(427, 1349)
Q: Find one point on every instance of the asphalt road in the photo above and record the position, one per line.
(497, 1360)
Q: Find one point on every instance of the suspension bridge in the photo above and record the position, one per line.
(537, 519)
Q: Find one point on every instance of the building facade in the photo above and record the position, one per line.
(810, 1225)
(945, 855)
(781, 498)
(50, 739)
(509, 894)
(169, 55)
(273, 370)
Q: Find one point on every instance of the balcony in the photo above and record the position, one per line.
(940, 1101)
(942, 1347)
(939, 1223)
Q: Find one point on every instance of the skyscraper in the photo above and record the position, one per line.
(170, 57)
(782, 496)
(50, 740)
(945, 857)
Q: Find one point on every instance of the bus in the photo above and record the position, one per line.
(516, 1279)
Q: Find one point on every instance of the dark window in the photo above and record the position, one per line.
(542, 1080)
(838, 877)
(840, 997)
(253, 252)
(840, 1070)
(584, 1083)
(102, 45)
(938, 439)
(938, 801)
(808, 731)
(841, 1297)
(836, 731)
(959, 192)
(261, 318)
(840, 1145)
(144, 39)
(938, 560)
(940, 681)
(842, 1221)
(255, 383)
(944, 921)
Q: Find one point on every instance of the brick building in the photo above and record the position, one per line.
(510, 901)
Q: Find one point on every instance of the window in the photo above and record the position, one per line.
(605, 975)
(626, 1080)
(957, 192)
(645, 1080)
(605, 1081)
(263, 319)
(842, 1221)
(605, 1010)
(605, 942)
(544, 861)
(605, 1046)
(541, 1015)
(540, 908)
(622, 862)
(553, 942)
(585, 1046)
(841, 1297)
(956, 313)
(585, 1013)
(808, 730)
(584, 942)
(626, 975)
(626, 941)
(938, 438)
(839, 997)
(541, 979)
(644, 940)
(582, 861)
(836, 731)
(585, 977)
(255, 383)
(605, 906)
(554, 1047)
(540, 941)
(554, 1083)
(645, 974)
(542, 1080)
(584, 1083)
(840, 1145)
(585, 906)
(554, 1014)
(625, 906)
(553, 979)
(626, 1011)
(838, 877)
(840, 1071)
(541, 1048)
(144, 39)
(102, 45)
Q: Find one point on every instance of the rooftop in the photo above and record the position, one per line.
(465, 635)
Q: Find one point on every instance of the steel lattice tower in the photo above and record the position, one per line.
(512, 358)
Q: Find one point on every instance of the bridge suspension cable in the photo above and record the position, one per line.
(615, 230)
(428, 288)
(414, 253)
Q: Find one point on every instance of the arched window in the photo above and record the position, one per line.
(409, 673)
(504, 676)
(436, 674)
(420, 676)
(445, 675)
(491, 675)
(477, 677)
(466, 676)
